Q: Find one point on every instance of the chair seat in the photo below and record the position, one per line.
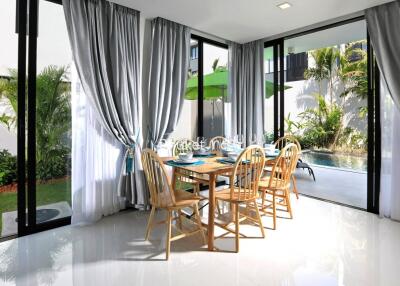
(225, 195)
(183, 199)
(265, 184)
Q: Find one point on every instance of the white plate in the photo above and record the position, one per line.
(180, 161)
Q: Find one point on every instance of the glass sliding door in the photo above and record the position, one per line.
(274, 90)
(53, 115)
(325, 108)
(204, 108)
(35, 117)
(8, 118)
(215, 89)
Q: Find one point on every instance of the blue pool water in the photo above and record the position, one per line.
(356, 163)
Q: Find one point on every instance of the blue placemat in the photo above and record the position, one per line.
(204, 156)
(176, 164)
(225, 161)
(228, 161)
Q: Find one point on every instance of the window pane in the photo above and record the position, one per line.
(8, 118)
(269, 94)
(326, 108)
(53, 115)
(215, 86)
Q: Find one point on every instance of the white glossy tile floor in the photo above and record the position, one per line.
(324, 244)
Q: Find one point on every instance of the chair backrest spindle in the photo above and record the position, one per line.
(161, 192)
(248, 169)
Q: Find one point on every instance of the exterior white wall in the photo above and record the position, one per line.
(52, 49)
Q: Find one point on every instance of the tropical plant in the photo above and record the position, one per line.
(325, 68)
(8, 168)
(9, 95)
(322, 124)
(53, 122)
(53, 119)
(291, 125)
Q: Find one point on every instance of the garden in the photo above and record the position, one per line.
(340, 74)
(53, 147)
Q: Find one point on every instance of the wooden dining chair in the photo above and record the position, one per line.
(282, 143)
(243, 190)
(163, 196)
(275, 187)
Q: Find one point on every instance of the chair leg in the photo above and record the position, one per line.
(259, 219)
(236, 207)
(289, 207)
(295, 186)
(312, 173)
(274, 210)
(168, 240)
(197, 189)
(263, 199)
(150, 222)
(180, 219)
(198, 219)
(218, 208)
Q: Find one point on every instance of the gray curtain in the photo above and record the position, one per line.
(247, 90)
(170, 47)
(384, 29)
(104, 39)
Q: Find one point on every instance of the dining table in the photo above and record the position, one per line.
(211, 167)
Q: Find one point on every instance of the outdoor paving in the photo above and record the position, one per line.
(343, 186)
(10, 226)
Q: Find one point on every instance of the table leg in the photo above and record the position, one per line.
(211, 214)
(173, 182)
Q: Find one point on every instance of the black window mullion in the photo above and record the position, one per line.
(281, 89)
(32, 67)
(21, 29)
(276, 99)
(200, 89)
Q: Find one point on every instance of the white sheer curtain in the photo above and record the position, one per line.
(96, 162)
(390, 168)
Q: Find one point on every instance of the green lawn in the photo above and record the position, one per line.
(46, 194)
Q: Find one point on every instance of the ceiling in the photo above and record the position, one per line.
(243, 21)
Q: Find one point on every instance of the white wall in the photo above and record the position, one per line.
(52, 49)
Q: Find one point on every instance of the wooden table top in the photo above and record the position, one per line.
(210, 166)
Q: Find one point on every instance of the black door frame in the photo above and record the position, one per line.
(200, 76)
(374, 129)
(279, 81)
(26, 139)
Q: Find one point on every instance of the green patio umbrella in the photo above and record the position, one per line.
(216, 85)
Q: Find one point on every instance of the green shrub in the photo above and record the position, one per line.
(8, 168)
(322, 125)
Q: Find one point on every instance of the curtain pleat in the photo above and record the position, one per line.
(170, 47)
(247, 90)
(104, 39)
(383, 26)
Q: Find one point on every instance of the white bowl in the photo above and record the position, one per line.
(203, 150)
(185, 156)
(233, 156)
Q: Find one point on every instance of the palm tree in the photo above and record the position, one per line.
(325, 68)
(53, 118)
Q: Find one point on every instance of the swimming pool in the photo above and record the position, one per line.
(355, 163)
